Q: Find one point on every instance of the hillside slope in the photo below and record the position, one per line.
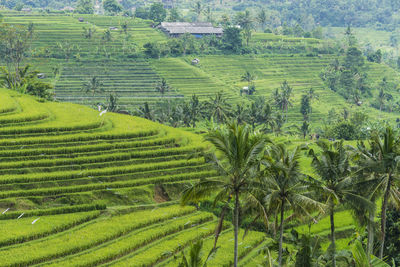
(82, 189)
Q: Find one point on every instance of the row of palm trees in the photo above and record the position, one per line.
(265, 176)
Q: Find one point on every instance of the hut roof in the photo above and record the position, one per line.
(187, 27)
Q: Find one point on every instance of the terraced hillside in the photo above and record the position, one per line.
(80, 189)
(134, 82)
(59, 45)
(302, 73)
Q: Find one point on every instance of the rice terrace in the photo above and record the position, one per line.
(199, 133)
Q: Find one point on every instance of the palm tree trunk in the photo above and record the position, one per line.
(236, 227)
(332, 218)
(371, 233)
(221, 222)
(281, 234)
(383, 217)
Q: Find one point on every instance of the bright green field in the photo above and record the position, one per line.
(87, 188)
(82, 189)
(134, 79)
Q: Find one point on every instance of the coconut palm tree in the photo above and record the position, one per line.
(282, 97)
(381, 158)
(162, 87)
(218, 107)
(93, 85)
(362, 258)
(283, 187)
(248, 77)
(195, 256)
(239, 151)
(336, 183)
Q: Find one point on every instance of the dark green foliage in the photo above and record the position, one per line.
(107, 36)
(344, 130)
(348, 78)
(142, 13)
(152, 50)
(375, 57)
(309, 248)
(231, 40)
(157, 12)
(392, 247)
(305, 106)
(174, 15)
(112, 6)
(85, 7)
(282, 97)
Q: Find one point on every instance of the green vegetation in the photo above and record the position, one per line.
(269, 184)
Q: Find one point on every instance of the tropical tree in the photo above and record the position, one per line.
(305, 128)
(245, 21)
(305, 107)
(198, 8)
(248, 77)
(218, 107)
(262, 18)
(15, 42)
(282, 96)
(382, 94)
(380, 158)
(93, 85)
(195, 256)
(208, 13)
(162, 87)
(282, 186)
(157, 12)
(240, 114)
(145, 111)
(336, 183)
(193, 110)
(236, 159)
(112, 6)
(363, 259)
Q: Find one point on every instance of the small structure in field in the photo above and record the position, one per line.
(197, 29)
(68, 9)
(81, 20)
(113, 29)
(245, 90)
(195, 61)
(41, 75)
(26, 9)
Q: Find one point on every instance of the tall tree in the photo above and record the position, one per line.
(381, 159)
(15, 43)
(85, 7)
(248, 77)
(157, 12)
(305, 107)
(198, 8)
(236, 159)
(262, 18)
(146, 112)
(283, 187)
(112, 7)
(282, 97)
(162, 87)
(218, 107)
(193, 109)
(245, 21)
(93, 85)
(335, 185)
(231, 39)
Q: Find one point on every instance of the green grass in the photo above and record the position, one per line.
(65, 168)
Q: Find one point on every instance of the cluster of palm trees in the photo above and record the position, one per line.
(217, 109)
(256, 173)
